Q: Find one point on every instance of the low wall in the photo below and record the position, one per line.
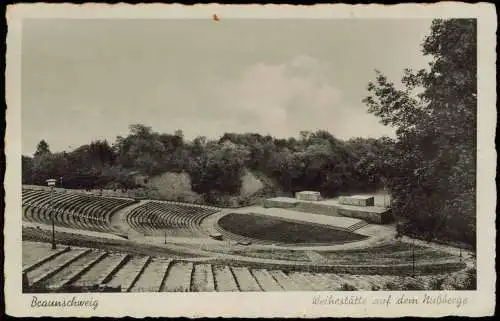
(316, 208)
(364, 213)
(378, 218)
(267, 203)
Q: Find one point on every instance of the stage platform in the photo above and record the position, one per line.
(332, 207)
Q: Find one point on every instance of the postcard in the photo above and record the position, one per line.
(250, 161)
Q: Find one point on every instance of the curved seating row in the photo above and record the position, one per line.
(72, 210)
(84, 270)
(176, 218)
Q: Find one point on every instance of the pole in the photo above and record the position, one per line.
(52, 218)
(165, 242)
(61, 185)
(460, 254)
(413, 257)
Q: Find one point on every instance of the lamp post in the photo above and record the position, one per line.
(51, 182)
(60, 182)
(413, 257)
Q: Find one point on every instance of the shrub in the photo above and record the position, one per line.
(391, 286)
(470, 280)
(348, 287)
(413, 285)
(437, 283)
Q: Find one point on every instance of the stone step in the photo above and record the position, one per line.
(52, 254)
(128, 274)
(224, 279)
(74, 270)
(51, 267)
(266, 281)
(178, 277)
(96, 274)
(203, 278)
(152, 277)
(284, 281)
(245, 279)
(357, 226)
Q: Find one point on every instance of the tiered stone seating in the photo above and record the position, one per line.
(77, 268)
(224, 279)
(51, 267)
(176, 218)
(266, 281)
(178, 278)
(126, 277)
(72, 210)
(203, 278)
(246, 281)
(71, 272)
(97, 274)
(152, 276)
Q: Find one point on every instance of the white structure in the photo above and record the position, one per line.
(357, 200)
(51, 182)
(308, 196)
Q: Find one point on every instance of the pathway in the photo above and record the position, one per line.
(72, 231)
(119, 218)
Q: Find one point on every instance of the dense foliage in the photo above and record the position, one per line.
(433, 180)
(316, 161)
(429, 169)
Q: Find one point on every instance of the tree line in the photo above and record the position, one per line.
(316, 161)
(429, 168)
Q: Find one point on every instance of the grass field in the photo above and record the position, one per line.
(277, 254)
(278, 230)
(394, 252)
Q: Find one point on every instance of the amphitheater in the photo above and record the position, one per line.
(286, 244)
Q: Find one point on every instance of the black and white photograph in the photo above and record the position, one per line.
(225, 154)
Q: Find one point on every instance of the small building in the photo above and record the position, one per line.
(308, 196)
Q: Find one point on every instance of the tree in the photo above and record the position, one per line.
(27, 168)
(433, 178)
(218, 169)
(141, 150)
(42, 148)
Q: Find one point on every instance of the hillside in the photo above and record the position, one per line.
(172, 186)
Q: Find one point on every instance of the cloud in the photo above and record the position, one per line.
(283, 99)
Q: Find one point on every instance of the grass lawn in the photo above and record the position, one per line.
(277, 230)
(397, 252)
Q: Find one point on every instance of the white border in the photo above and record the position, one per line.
(287, 304)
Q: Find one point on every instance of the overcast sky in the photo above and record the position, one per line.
(90, 79)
